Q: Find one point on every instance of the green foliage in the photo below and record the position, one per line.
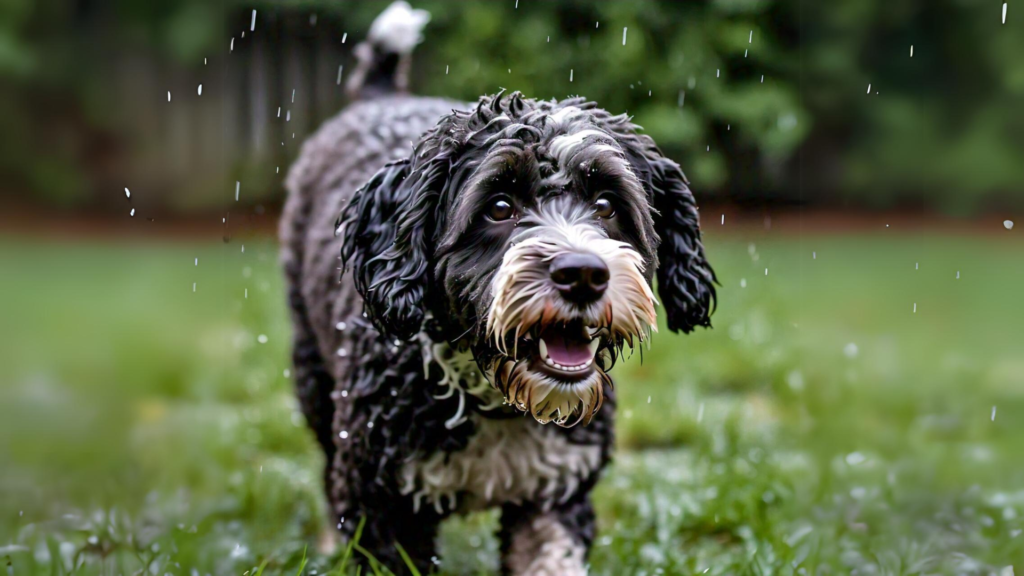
(759, 100)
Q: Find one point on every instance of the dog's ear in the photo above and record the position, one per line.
(386, 228)
(686, 282)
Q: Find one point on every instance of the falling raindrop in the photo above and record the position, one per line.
(1004, 12)
(344, 37)
(340, 68)
(168, 95)
(252, 25)
(127, 193)
(869, 88)
(238, 187)
(132, 213)
(1008, 224)
(343, 434)
(570, 74)
(200, 90)
(911, 50)
(262, 339)
(993, 413)
(624, 30)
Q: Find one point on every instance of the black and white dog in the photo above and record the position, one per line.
(471, 292)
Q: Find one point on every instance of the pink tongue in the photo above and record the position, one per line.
(566, 351)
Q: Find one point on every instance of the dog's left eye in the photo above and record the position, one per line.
(501, 209)
(604, 208)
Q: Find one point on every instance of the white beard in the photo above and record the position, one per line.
(524, 298)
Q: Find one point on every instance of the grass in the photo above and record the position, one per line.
(822, 427)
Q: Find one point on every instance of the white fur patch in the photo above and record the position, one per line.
(460, 375)
(399, 28)
(510, 460)
(545, 548)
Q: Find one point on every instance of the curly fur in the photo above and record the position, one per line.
(417, 320)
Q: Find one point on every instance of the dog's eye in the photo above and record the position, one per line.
(501, 209)
(603, 208)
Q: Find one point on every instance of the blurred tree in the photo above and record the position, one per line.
(761, 101)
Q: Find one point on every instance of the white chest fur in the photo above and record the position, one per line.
(506, 461)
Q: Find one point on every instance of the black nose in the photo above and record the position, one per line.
(581, 278)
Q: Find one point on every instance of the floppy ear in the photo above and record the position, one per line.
(686, 282)
(385, 228)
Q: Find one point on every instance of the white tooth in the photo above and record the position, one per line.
(543, 346)
(549, 361)
(594, 344)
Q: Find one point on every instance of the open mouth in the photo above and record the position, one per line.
(566, 351)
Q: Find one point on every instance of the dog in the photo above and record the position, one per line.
(458, 304)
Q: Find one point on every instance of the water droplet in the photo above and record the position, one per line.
(343, 434)
(262, 339)
(252, 25)
(200, 90)
(851, 350)
(1008, 224)
(127, 193)
(624, 30)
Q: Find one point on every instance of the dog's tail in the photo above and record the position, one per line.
(385, 56)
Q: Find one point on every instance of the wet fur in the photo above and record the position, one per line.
(418, 274)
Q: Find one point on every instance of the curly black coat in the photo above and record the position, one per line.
(389, 281)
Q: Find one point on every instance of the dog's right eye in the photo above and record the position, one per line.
(501, 209)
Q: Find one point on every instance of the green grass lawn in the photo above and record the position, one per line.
(822, 427)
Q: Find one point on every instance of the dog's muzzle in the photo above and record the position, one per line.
(566, 301)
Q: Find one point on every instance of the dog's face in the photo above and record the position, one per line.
(530, 233)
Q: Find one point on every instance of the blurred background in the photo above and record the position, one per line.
(856, 409)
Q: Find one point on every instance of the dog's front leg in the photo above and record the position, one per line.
(552, 542)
